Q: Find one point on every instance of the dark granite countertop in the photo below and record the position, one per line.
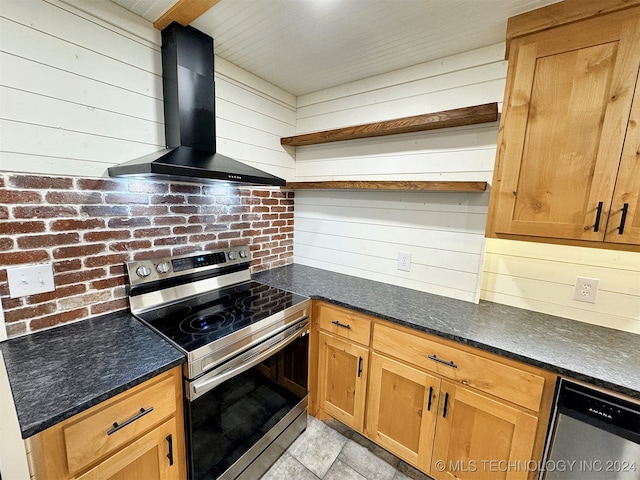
(57, 373)
(601, 356)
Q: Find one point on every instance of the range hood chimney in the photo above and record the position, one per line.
(189, 115)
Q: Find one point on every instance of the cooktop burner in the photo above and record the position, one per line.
(203, 319)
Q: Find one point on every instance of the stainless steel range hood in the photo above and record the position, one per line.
(189, 115)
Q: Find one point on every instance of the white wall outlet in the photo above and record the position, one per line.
(30, 280)
(586, 289)
(404, 261)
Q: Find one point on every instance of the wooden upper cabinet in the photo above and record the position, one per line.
(624, 219)
(566, 116)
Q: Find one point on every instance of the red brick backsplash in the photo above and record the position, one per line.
(88, 228)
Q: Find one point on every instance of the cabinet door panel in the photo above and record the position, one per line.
(402, 409)
(564, 127)
(476, 433)
(342, 380)
(144, 459)
(628, 184)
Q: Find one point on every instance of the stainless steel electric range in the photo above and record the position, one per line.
(245, 380)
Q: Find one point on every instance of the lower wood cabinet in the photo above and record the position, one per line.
(452, 411)
(402, 406)
(342, 379)
(148, 457)
(481, 438)
(136, 435)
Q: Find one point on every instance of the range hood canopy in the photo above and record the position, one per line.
(189, 114)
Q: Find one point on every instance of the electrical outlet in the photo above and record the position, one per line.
(30, 280)
(586, 289)
(404, 261)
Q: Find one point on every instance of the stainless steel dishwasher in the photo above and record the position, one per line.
(593, 436)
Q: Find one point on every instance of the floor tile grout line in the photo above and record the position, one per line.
(335, 459)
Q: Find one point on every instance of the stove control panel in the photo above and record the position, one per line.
(158, 269)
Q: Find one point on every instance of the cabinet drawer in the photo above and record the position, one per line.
(344, 323)
(503, 381)
(102, 430)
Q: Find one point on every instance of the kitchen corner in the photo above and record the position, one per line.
(575, 349)
(396, 248)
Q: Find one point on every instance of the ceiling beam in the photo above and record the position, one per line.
(184, 12)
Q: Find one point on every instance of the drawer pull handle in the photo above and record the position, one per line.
(336, 322)
(170, 454)
(430, 398)
(444, 362)
(446, 404)
(359, 366)
(596, 226)
(623, 219)
(117, 426)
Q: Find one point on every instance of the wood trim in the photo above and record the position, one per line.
(565, 241)
(430, 121)
(561, 13)
(390, 185)
(184, 12)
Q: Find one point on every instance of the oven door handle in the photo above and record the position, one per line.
(200, 387)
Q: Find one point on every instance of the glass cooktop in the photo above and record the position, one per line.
(201, 320)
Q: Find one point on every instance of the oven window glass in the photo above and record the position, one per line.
(228, 420)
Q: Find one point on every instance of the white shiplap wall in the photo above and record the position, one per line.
(541, 277)
(361, 232)
(81, 90)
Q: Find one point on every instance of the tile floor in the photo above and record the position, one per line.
(330, 451)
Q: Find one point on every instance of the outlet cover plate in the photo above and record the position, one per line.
(30, 280)
(404, 261)
(586, 289)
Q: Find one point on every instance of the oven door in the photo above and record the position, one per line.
(243, 414)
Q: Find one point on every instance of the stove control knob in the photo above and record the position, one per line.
(233, 255)
(243, 254)
(162, 267)
(143, 271)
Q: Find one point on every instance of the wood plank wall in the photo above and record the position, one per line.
(541, 277)
(80, 93)
(361, 233)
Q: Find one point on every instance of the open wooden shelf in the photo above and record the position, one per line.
(391, 185)
(430, 121)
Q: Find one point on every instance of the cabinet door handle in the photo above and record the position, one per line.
(170, 454)
(336, 322)
(444, 362)
(430, 398)
(359, 366)
(117, 426)
(623, 219)
(446, 404)
(596, 226)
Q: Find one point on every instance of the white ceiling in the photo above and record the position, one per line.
(305, 46)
